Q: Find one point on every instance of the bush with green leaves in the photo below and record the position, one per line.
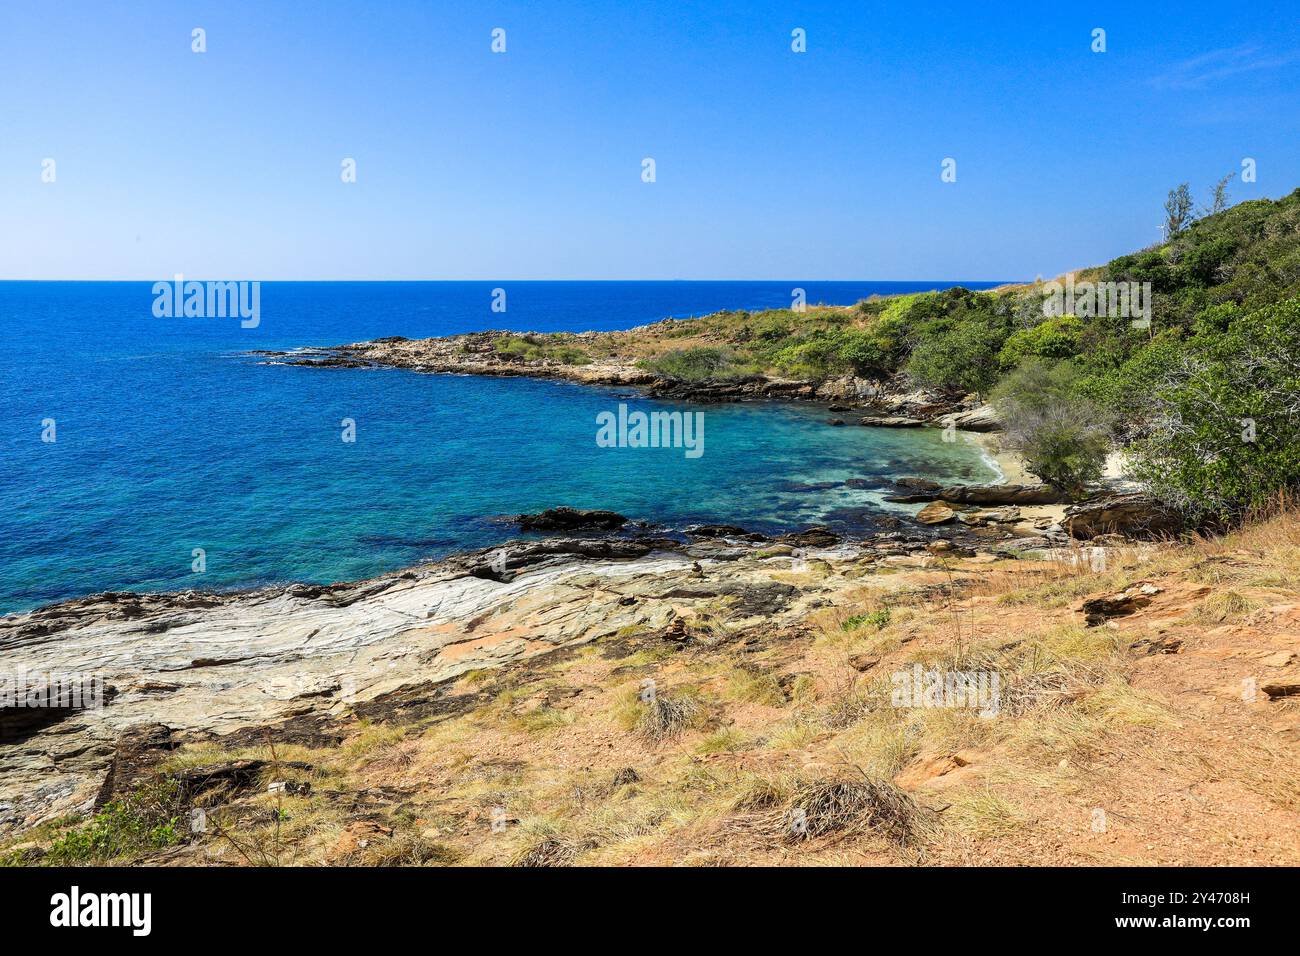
(530, 348)
(1062, 436)
(1056, 337)
(963, 358)
(1223, 423)
(143, 820)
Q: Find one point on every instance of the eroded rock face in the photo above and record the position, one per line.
(1132, 515)
(849, 388)
(188, 666)
(983, 418)
(1098, 610)
(936, 512)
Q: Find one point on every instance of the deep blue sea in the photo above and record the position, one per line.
(169, 437)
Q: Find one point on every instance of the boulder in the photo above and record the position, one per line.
(936, 512)
(863, 662)
(1132, 515)
(571, 519)
(981, 419)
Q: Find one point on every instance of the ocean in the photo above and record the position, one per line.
(170, 441)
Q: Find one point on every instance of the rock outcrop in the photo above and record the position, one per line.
(936, 512)
(1132, 515)
(983, 418)
(190, 666)
(571, 519)
(979, 494)
(1098, 610)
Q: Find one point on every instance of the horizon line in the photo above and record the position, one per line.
(193, 279)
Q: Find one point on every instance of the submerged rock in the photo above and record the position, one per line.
(818, 536)
(571, 519)
(723, 531)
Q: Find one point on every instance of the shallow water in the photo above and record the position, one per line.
(171, 438)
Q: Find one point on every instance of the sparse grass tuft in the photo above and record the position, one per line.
(726, 740)
(553, 851)
(753, 687)
(846, 806)
(983, 814)
(1221, 607)
(663, 717)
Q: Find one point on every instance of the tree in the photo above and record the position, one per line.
(1062, 436)
(1178, 210)
(1223, 437)
(1219, 197)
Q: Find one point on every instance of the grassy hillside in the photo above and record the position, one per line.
(1205, 399)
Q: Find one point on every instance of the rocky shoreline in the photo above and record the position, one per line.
(209, 665)
(880, 404)
(198, 666)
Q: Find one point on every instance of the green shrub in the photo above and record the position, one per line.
(961, 359)
(1062, 436)
(145, 819)
(1056, 338)
(530, 348)
(1224, 424)
(877, 619)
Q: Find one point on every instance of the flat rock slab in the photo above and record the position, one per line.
(218, 664)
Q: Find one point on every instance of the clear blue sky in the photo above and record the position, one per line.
(770, 164)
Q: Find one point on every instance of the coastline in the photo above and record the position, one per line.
(239, 659)
(1009, 464)
(483, 651)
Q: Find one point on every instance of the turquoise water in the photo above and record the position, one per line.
(171, 438)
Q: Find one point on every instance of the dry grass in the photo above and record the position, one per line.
(847, 805)
(663, 717)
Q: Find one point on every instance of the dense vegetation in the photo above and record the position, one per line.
(1220, 359)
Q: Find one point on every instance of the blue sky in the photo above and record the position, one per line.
(527, 164)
